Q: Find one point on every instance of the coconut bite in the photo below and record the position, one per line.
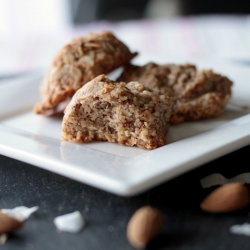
(126, 113)
(77, 63)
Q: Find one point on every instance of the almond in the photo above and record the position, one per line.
(227, 198)
(144, 226)
(8, 224)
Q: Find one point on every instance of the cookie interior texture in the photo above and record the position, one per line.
(77, 63)
(199, 94)
(127, 113)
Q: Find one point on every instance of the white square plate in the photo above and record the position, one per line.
(119, 169)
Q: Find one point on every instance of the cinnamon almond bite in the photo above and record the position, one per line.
(199, 94)
(77, 63)
(126, 113)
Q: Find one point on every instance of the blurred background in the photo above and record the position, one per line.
(31, 32)
(83, 11)
(27, 14)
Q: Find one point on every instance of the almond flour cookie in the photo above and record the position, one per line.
(198, 94)
(77, 63)
(127, 113)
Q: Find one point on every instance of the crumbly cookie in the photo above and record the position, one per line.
(198, 94)
(127, 113)
(77, 63)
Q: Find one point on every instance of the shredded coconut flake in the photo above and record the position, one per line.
(21, 213)
(241, 229)
(218, 179)
(3, 238)
(72, 223)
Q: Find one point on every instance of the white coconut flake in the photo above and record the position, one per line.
(72, 222)
(218, 179)
(241, 229)
(3, 238)
(21, 213)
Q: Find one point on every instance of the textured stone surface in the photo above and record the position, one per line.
(186, 226)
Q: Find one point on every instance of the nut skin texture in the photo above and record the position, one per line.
(227, 198)
(8, 224)
(144, 226)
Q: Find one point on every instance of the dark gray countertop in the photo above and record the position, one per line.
(186, 226)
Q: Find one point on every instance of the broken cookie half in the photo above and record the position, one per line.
(199, 94)
(77, 63)
(127, 113)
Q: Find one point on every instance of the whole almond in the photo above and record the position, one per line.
(8, 224)
(144, 226)
(227, 198)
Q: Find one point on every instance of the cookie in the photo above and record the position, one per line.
(126, 113)
(199, 94)
(77, 63)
